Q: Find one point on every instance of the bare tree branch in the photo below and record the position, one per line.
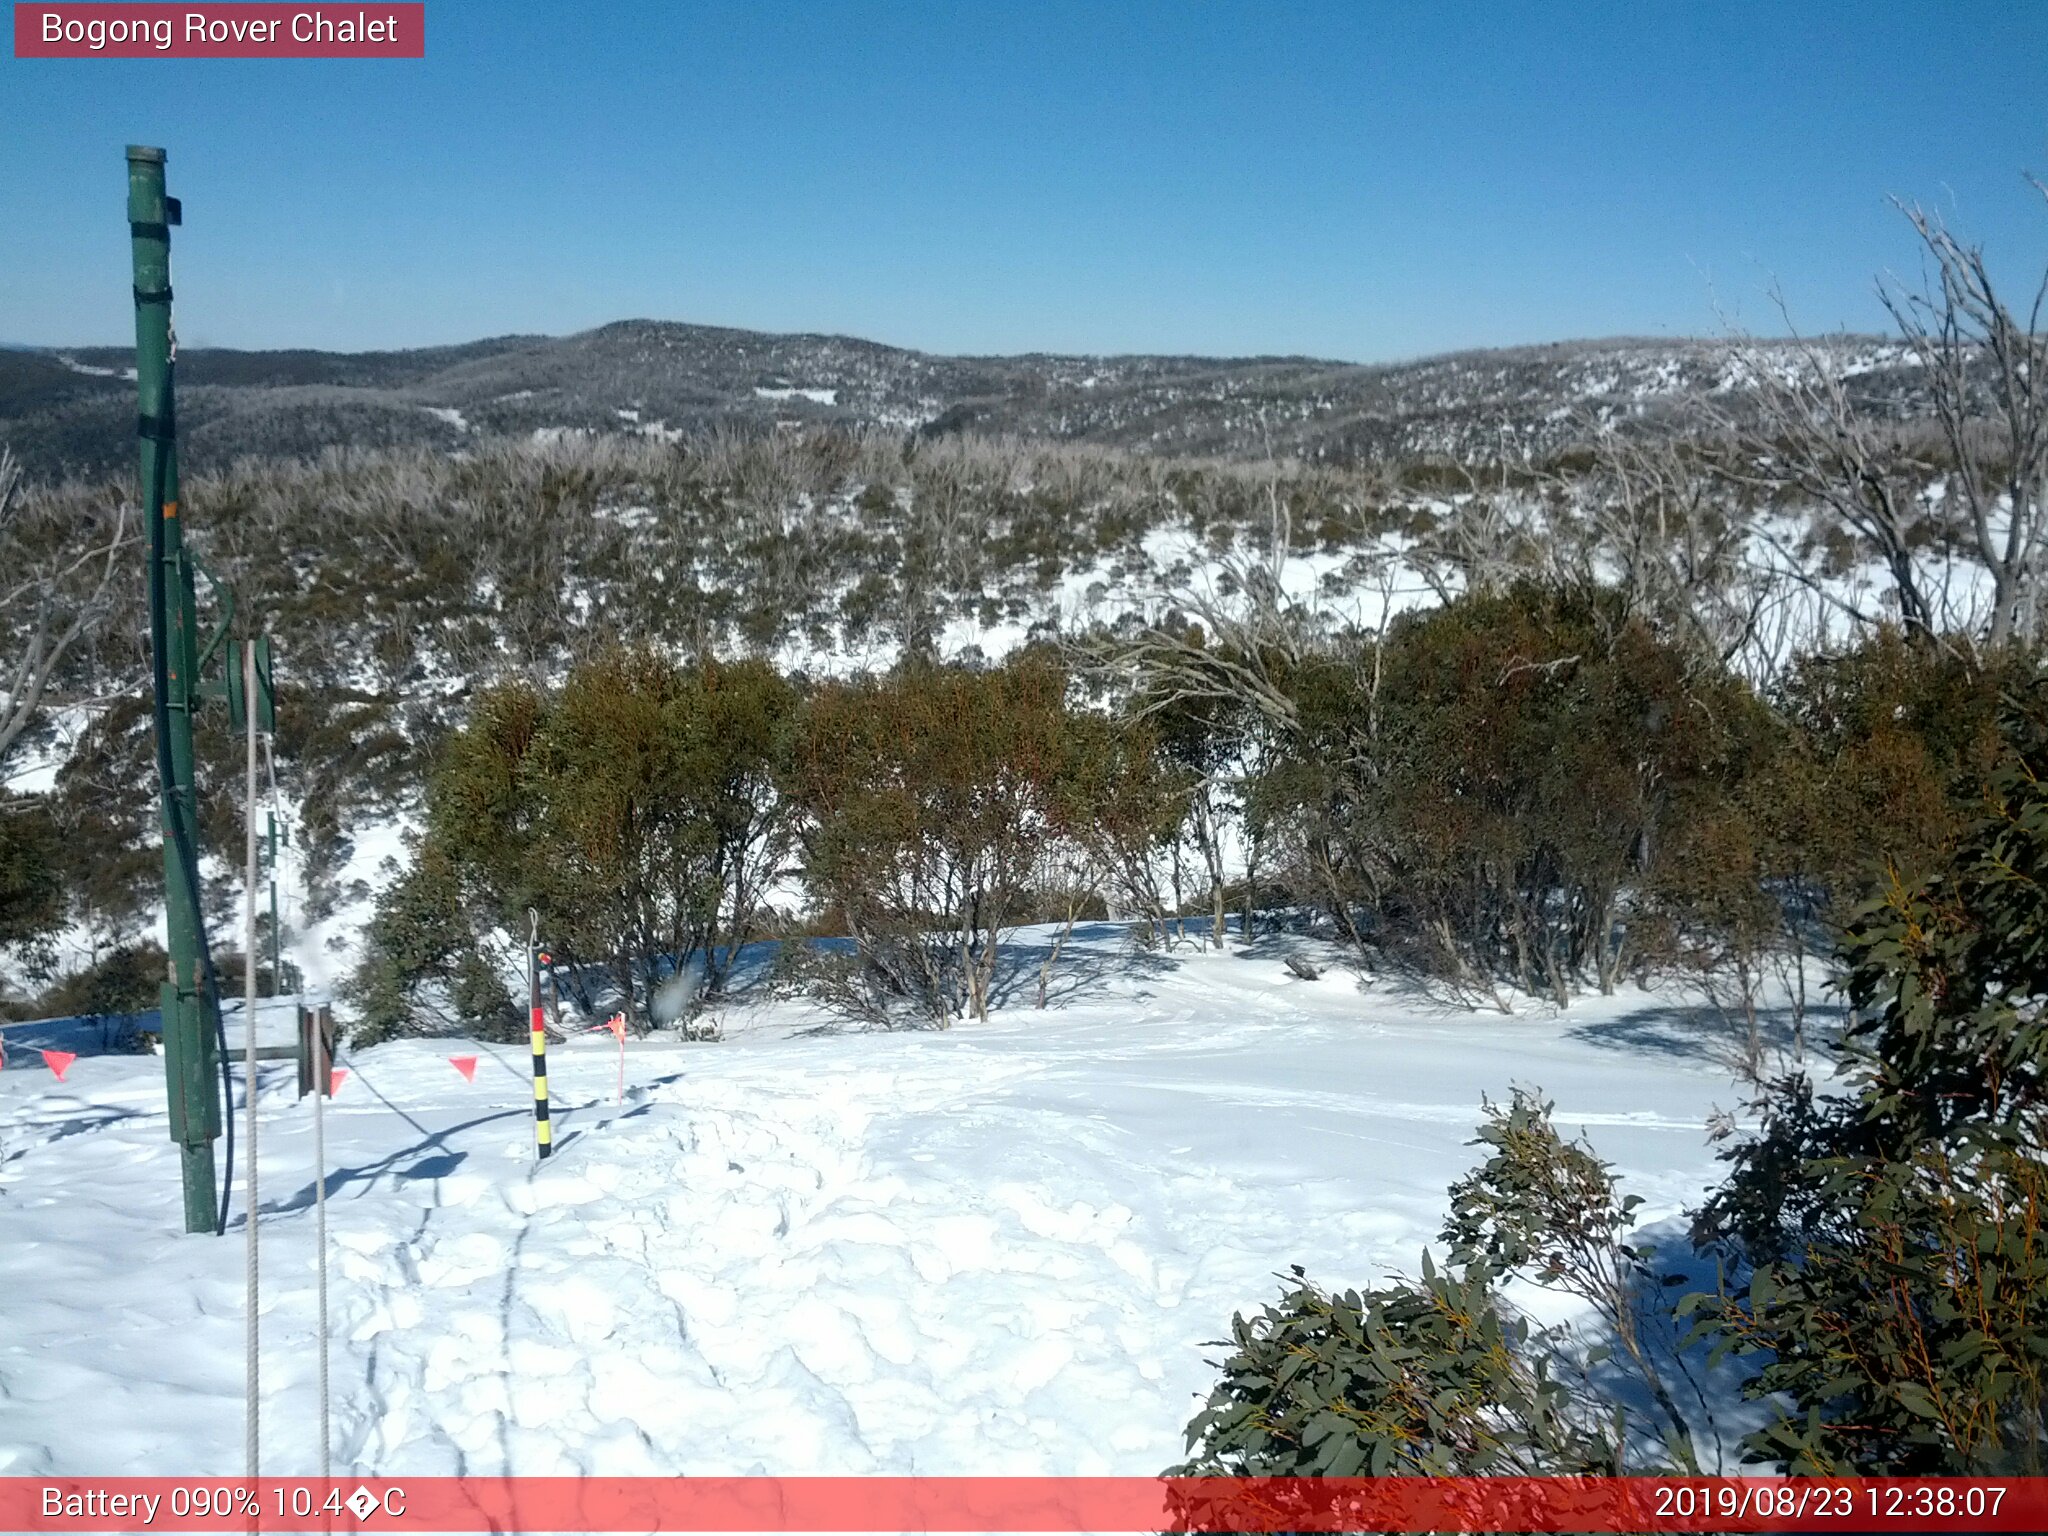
(1984, 369)
(58, 596)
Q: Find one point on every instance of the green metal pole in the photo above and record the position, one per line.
(191, 1057)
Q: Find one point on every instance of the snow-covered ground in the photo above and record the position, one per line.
(998, 1249)
(815, 396)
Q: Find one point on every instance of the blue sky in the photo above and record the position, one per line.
(1357, 180)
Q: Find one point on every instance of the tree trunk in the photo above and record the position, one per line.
(1053, 957)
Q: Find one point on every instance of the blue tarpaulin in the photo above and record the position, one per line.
(85, 1035)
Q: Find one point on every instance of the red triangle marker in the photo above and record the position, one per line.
(59, 1062)
(466, 1065)
(334, 1077)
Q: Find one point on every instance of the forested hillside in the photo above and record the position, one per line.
(64, 411)
(1523, 671)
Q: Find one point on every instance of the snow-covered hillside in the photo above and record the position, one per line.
(63, 410)
(999, 1249)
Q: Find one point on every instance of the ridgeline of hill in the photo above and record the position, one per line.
(70, 412)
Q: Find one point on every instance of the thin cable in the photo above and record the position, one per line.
(253, 1434)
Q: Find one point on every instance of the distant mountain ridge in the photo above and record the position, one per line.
(71, 411)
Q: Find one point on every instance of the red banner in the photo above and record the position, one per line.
(107, 31)
(1051, 1504)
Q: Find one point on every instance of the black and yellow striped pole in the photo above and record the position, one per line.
(542, 1136)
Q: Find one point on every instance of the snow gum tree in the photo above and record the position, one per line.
(1489, 789)
(1203, 741)
(1972, 482)
(652, 814)
(635, 809)
(928, 798)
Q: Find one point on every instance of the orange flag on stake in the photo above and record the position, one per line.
(617, 1025)
(466, 1065)
(59, 1062)
(334, 1077)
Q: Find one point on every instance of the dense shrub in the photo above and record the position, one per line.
(645, 808)
(1124, 806)
(108, 809)
(1889, 747)
(928, 798)
(1439, 1376)
(634, 810)
(31, 883)
(1901, 1295)
(423, 966)
(1499, 788)
(118, 984)
(649, 823)
(1432, 1378)
(1542, 750)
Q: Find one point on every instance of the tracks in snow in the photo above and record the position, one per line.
(725, 1281)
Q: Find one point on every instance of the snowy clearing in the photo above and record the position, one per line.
(998, 1249)
(815, 396)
